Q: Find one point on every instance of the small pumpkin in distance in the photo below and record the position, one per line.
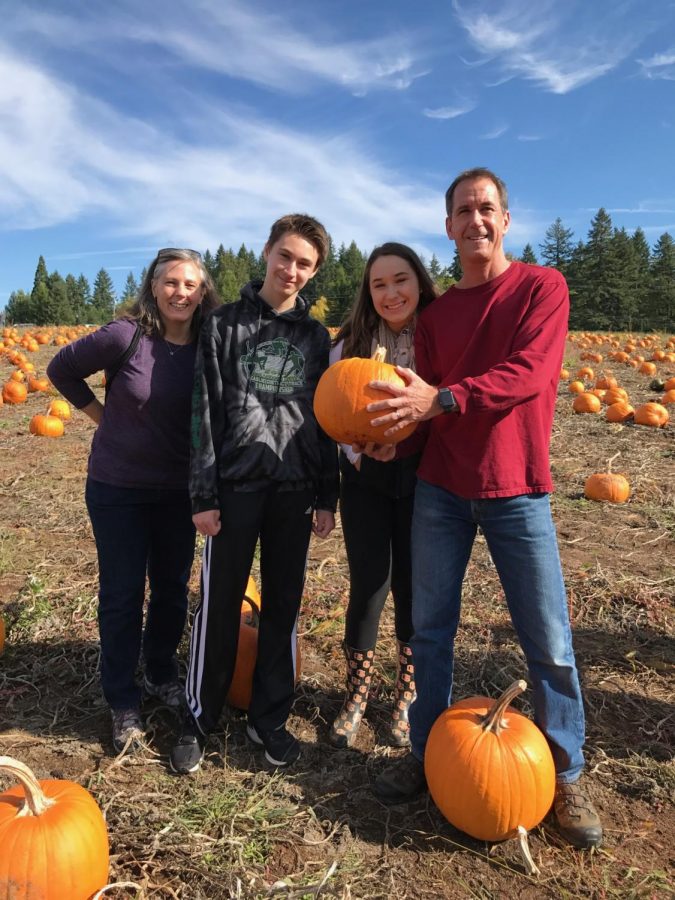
(620, 411)
(613, 395)
(46, 426)
(648, 368)
(576, 387)
(669, 385)
(342, 395)
(53, 839)
(585, 373)
(652, 414)
(489, 768)
(61, 409)
(668, 398)
(607, 486)
(586, 403)
(38, 384)
(14, 392)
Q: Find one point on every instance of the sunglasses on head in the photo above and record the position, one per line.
(170, 253)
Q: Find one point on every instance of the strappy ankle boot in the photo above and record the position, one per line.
(359, 674)
(404, 694)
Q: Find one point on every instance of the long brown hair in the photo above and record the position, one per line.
(362, 320)
(145, 310)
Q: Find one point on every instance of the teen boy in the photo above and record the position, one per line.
(261, 468)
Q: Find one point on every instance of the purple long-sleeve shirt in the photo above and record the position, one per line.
(143, 439)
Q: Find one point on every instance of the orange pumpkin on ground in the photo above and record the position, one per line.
(46, 426)
(342, 395)
(648, 368)
(60, 408)
(613, 395)
(653, 414)
(668, 397)
(620, 411)
(53, 839)
(669, 385)
(585, 373)
(14, 392)
(239, 694)
(606, 486)
(586, 403)
(606, 381)
(38, 384)
(489, 768)
(576, 387)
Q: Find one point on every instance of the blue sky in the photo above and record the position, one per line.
(134, 125)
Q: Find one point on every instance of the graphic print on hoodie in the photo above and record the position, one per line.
(253, 422)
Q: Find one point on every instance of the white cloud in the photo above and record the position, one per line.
(659, 66)
(236, 39)
(449, 112)
(496, 132)
(65, 157)
(530, 137)
(538, 44)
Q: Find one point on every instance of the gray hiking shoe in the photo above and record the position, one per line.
(170, 693)
(127, 729)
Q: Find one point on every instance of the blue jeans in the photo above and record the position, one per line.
(139, 530)
(521, 537)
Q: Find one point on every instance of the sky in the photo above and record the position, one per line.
(135, 125)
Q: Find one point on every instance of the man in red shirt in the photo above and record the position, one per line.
(489, 353)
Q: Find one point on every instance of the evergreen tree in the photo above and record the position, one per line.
(209, 263)
(40, 304)
(130, 292)
(19, 308)
(434, 268)
(642, 256)
(622, 289)
(528, 255)
(41, 274)
(661, 296)
(576, 280)
(455, 269)
(597, 283)
(556, 249)
(103, 300)
(76, 299)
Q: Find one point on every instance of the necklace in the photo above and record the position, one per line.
(173, 348)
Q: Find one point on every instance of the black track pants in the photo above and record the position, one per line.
(282, 520)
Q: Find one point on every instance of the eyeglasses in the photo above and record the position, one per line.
(170, 253)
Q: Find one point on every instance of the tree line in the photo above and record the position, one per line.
(617, 281)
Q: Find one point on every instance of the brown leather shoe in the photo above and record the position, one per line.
(403, 781)
(578, 822)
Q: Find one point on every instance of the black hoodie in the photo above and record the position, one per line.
(253, 423)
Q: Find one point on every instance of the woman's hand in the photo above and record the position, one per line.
(380, 452)
(207, 522)
(324, 522)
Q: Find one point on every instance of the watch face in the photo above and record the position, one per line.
(446, 399)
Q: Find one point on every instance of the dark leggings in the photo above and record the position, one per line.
(376, 530)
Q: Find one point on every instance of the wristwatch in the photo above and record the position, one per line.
(447, 400)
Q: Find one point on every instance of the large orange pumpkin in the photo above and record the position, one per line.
(239, 694)
(653, 414)
(620, 411)
(587, 403)
(53, 839)
(342, 395)
(607, 486)
(14, 392)
(46, 426)
(489, 768)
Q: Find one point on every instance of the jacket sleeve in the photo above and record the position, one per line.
(207, 423)
(535, 359)
(328, 487)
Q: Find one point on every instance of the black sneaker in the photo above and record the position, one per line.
(404, 780)
(127, 729)
(281, 748)
(187, 755)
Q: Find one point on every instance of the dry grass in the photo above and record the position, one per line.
(238, 830)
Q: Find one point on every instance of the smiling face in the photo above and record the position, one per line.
(478, 224)
(177, 289)
(395, 290)
(291, 262)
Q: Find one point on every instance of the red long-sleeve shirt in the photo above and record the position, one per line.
(499, 348)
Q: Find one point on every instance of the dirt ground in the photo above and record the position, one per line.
(236, 829)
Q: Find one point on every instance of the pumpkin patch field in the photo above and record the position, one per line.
(236, 829)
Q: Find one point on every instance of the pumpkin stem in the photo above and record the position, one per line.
(380, 354)
(36, 800)
(255, 611)
(528, 862)
(493, 720)
(611, 460)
